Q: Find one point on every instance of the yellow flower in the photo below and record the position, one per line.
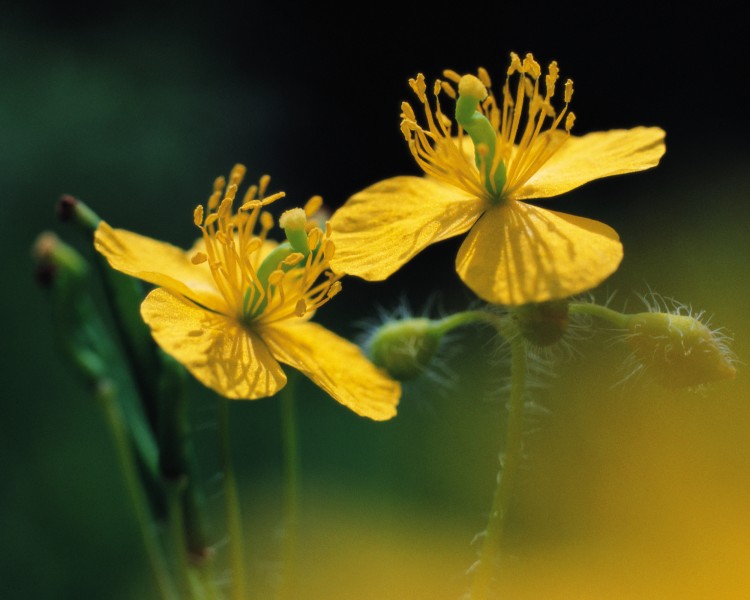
(236, 304)
(478, 175)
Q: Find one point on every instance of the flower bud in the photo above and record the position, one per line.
(405, 347)
(544, 323)
(678, 350)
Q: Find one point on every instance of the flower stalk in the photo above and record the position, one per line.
(231, 505)
(291, 478)
(510, 462)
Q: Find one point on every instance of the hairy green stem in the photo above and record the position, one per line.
(506, 480)
(602, 312)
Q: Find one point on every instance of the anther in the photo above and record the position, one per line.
(451, 75)
(484, 77)
(313, 205)
(449, 90)
(419, 86)
(263, 185)
(251, 205)
(569, 120)
(198, 258)
(314, 237)
(266, 221)
(237, 174)
(275, 277)
(293, 259)
(198, 215)
(334, 289)
(568, 91)
(407, 111)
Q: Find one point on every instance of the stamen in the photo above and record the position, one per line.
(505, 137)
(198, 215)
(449, 90)
(313, 205)
(451, 75)
(272, 198)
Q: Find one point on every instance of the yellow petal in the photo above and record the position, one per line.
(159, 263)
(518, 253)
(382, 227)
(221, 354)
(335, 365)
(593, 156)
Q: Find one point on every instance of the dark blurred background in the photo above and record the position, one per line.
(137, 108)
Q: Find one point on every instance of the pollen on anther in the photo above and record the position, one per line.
(531, 67)
(419, 86)
(449, 90)
(272, 198)
(263, 185)
(238, 172)
(451, 75)
(313, 205)
(484, 77)
(266, 221)
(313, 238)
(334, 289)
(569, 120)
(407, 111)
(198, 258)
(198, 215)
(568, 90)
(251, 205)
(275, 277)
(293, 259)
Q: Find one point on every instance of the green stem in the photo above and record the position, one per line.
(232, 505)
(174, 492)
(290, 442)
(469, 317)
(509, 466)
(105, 395)
(602, 312)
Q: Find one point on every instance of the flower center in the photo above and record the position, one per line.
(262, 281)
(510, 142)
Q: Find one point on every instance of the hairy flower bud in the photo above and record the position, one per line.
(405, 347)
(678, 350)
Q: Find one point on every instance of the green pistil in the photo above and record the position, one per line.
(268, 266)
(482, 133)
(297, 240)
(293, 223)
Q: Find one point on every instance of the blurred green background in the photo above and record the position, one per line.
(628, 491)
